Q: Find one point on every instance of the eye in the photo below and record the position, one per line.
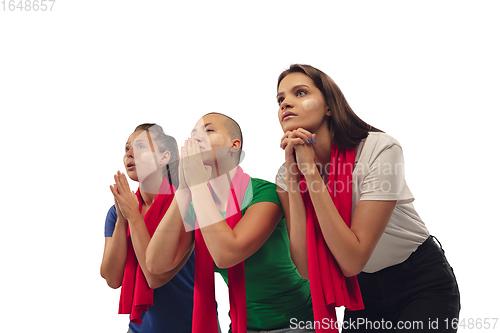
(280, 100)
(301, 93)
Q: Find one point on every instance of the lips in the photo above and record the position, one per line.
(287, 115)
(130, 166)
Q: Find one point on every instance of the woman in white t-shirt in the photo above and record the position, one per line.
(404, 277)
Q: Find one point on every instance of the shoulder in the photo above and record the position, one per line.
(261, 191)
(111, 216)
(377, 143)
(261, 184)
(381, 140)
(110, 221)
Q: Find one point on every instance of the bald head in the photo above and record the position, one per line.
(232, 127)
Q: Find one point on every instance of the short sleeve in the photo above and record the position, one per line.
(280, 178)
(259, 191)
(109, 225)
(385, 179)
(263, 191)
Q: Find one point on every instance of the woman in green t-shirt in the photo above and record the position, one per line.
(238, 220)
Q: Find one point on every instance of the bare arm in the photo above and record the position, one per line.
(352, 247)
(294, 211)
(115, 254)
(170, 241)
(139, 234)
(227, 246)
(140, 240)
(293, 206)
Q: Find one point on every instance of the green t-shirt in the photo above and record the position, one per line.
(275, 291)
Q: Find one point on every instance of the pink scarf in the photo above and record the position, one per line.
(329, 287)
(204, 311)
(136, 297)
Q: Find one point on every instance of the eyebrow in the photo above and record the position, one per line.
(195, 130)
(294, 88)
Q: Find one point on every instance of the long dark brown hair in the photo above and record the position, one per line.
(165, 143)
(345, 127)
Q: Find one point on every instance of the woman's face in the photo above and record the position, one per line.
(140, 158)
(301, 104)
(211, 135)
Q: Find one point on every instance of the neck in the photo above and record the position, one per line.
(150, 186)
(323, 148)
(221, 187)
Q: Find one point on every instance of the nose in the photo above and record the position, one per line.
(197, 137)
(285, 104)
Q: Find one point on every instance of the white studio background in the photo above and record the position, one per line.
(75, 81)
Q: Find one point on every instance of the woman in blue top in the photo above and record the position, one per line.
(151, 158)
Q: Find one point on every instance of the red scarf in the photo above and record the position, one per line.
(204, 311)
(329, 287)
(136, 296)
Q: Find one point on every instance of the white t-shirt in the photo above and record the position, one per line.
(379, 175)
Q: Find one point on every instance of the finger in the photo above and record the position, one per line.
(193, 147)
(183, 155)
(181, 160)
(196, 146)
(303, 134)
(114, 190)
(186, 150)
(188, 147)
(286, 135)
(122, 183)
(303, 130)
(117, 186)
(293, 142)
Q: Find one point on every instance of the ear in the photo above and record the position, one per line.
(235, 145)
(165, 158)
(328, 112)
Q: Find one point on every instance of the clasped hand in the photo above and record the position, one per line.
(299, 152)
(128, 205)
(192, 171)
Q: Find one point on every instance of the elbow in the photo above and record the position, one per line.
(353, 269)
(224, 261)
(154, 268)
(154, 284)
(114, 283)
(351, 273)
